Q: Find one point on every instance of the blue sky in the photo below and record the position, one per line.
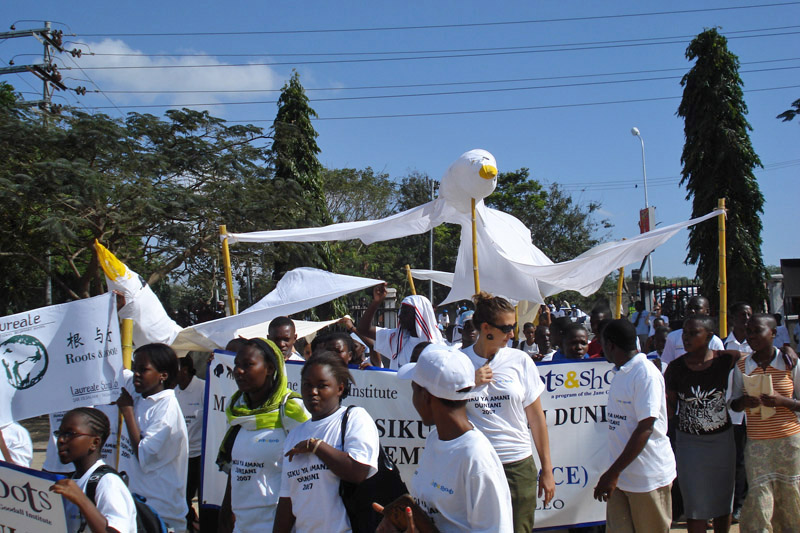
(587, 72)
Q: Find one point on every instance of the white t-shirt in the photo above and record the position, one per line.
(732, 344)
(461, 484)
(51, 461)
(643, 327)
(499, 412)
(19, 444)
(386, 341)
(257, 457)
(296, 357)
(637, 392)
(159, 474)
(533, 349)
(548, 356)
(673, 348)
(312, 487)
(112, 499)
(192, 401)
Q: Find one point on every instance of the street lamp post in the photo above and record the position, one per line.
(635, 133)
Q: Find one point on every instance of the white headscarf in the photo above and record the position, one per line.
(424, 321)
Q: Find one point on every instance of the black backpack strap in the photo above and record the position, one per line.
(94, 479)
(91, 487)
(225, 454)
(344, 422)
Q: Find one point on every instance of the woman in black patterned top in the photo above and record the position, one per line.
(696, 385)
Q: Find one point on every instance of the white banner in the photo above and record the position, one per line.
(26, 503)
(219, 388)
(574, 401)
(59, 357)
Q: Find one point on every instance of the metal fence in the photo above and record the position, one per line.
(673, 297)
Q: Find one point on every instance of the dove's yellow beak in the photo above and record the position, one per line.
(487, 172)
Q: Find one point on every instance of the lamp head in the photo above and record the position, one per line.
(635, 132)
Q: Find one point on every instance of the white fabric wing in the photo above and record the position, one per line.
(437, 276)
(300, 289)
(412, 222)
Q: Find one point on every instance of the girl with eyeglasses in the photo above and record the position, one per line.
(509, 404)
(79, 439)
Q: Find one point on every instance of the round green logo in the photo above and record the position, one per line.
(24, 360)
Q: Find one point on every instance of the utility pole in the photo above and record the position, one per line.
(430, 282)
(47, 71)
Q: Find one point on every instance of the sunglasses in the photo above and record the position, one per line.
(505, 329)
(69, 435)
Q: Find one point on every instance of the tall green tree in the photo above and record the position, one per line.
(718, 162)
(297, 180)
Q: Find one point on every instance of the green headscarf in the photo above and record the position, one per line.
(268, 414)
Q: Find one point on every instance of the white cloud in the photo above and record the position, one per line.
(223, 78)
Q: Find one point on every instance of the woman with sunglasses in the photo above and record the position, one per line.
(509, 404)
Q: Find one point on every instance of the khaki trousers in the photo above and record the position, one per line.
(639, 512)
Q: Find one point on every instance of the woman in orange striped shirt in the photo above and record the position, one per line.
(772, 454)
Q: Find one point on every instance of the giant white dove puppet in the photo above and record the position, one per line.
(509, 263)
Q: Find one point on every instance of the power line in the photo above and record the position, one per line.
(508, 109)
(439, 93)
(442, 26)
(666, 181)
(417, 58)
(441, 51)
(439, 84)
(97, 87)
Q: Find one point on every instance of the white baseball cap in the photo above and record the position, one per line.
(443, 372)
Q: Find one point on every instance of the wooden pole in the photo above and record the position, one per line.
(723, 272)
(410, 279)
(475, 275)
(226, 259)
(620, 282)
(127, 351)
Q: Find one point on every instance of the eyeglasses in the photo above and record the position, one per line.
(505, 328)
(69, 435)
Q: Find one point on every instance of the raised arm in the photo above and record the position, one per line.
(365, 328)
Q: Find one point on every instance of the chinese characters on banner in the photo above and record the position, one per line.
(59, 357)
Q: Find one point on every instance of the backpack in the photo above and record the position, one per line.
(384, 487)
(147, 519)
